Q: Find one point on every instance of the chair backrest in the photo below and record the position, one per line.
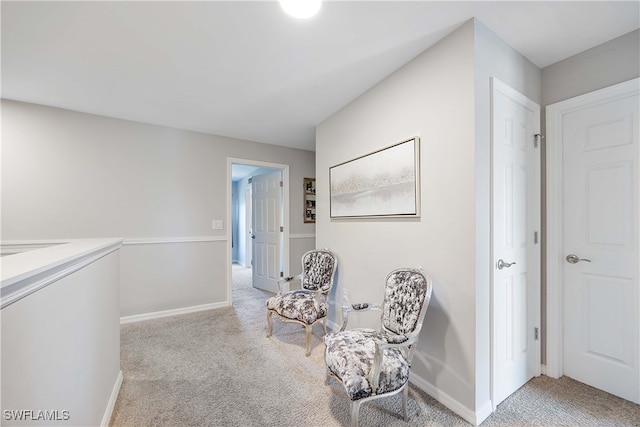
(407, 294)
(318, 270)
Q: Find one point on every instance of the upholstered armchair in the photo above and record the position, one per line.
(308, 305)
(373, 364)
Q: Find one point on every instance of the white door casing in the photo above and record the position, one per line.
(266, 205)
(285, 207)
(515, 240)
(594, 189)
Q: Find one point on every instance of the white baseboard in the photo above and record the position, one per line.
(484, 412)
(462, 411)
(174, 312)
(112, 401)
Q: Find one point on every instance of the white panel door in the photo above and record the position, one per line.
(516, 204)
(248, 255)
(601, 259)
(267, 220)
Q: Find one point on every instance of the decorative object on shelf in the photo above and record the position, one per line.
(309, 200)
(385, 183)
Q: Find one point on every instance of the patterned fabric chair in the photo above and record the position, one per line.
(373, 364)
(309, 304)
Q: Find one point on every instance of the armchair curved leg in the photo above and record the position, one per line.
(269, 323)
(326, 378)
(308, 333)
(355, 412)
(405, 395)
(324, 323)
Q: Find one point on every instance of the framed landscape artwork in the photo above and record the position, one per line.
(385, 183)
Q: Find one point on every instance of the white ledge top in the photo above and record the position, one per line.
(33, 264)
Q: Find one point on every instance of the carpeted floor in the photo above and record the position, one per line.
(217, 368)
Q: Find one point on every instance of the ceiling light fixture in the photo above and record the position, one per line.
(301, 9)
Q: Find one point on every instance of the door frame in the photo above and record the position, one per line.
(534, 212)
(554, 214)
(285, 215)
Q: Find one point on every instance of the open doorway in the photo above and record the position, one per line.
(258, 251)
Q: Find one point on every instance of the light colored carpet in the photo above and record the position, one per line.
(217, 368)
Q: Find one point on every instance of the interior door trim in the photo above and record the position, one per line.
(285, 214)
(554, 212)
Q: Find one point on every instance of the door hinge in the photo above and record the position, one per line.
(282, 274)
(535, 237)
(536, 140)
(536, 333)
(281, 184)
(281, 229)
(249, 180)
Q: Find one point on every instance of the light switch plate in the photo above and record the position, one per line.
(217, 224)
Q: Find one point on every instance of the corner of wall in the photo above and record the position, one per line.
(111, 404)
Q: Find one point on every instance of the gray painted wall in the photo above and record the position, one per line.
(431, 97)
(605, 65)
(73, 175)
(443, 96)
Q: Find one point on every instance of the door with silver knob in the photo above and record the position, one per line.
(599, 146)
(515, 211)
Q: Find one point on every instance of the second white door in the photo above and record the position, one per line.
(515, 240)
(267, 235)
(601, 257)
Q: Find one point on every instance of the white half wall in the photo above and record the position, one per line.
(61, 349)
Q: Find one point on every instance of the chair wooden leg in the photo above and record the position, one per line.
(326, 378)
(405, 396)
(324, 323)
(355, 412)
(269, 323)
(308, 331)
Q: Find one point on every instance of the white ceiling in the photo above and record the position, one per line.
(245, 69)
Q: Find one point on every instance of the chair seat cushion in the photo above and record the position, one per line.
(298, 305)
(349, 356)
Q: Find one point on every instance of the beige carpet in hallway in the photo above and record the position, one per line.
(217, 368)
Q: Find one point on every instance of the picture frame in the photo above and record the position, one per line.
(309, 199)
(381, 184)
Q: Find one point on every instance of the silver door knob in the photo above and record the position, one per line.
(573, 259)
(502, 264)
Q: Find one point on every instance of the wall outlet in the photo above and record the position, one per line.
(216, 224)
